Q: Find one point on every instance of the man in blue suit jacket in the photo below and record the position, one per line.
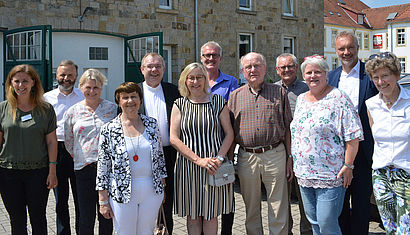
(351, 78)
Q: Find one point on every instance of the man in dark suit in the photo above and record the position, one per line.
(351, 78)
(158, 100)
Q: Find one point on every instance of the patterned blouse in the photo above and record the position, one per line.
(82, 129)
(319, 131)
(113, 169)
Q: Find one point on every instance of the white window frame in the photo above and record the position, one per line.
(292, 8)
(292, 46)
(168, 62)
(402, 61)
(359, 36)
(142, 46)
(333, 36)
(335, 63)
(248, 8)
(163, 6)
(366, 42)
(250, 43)
(400, 37)
(25, 48)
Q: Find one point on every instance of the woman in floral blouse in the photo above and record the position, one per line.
(325, 135)
(389, 116)
(131, 166)
(82, 127)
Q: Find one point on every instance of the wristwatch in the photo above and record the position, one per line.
(220, 158)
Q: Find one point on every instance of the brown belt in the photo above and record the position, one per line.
(261, 149)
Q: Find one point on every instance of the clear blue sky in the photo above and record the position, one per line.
(384, 3)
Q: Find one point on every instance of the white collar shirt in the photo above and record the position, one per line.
(391, 131)
(154, 102)
(350, 84)
(61, 103)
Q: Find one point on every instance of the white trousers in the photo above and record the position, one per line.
(137, 217)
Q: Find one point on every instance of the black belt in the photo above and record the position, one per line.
(261, 149)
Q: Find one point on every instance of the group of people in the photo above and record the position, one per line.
(159, 143)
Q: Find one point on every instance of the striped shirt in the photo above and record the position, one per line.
(262, 119)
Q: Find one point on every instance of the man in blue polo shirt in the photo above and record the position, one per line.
(221, 84)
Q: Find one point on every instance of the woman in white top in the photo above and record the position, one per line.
(82, 127)
(131, 166)
(389, 115)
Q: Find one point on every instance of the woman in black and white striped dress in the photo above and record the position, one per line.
(197, 122)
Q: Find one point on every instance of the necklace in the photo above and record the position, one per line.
(135, 157)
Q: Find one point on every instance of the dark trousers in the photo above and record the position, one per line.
(227, 222)
(65, 173)
(88, 202)
(22, 190)
(356, 220)
(170, 155)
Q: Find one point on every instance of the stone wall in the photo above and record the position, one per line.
(218, 20)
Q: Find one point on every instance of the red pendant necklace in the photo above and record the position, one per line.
(135, 157)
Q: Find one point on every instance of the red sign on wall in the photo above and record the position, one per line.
(377, 41)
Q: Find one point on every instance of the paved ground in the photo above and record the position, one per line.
(180, 223)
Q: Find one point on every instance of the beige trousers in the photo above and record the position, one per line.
(269, 168)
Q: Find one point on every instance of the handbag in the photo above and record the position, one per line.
(224, 175)
(161, 226)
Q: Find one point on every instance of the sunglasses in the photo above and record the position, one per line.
(381, 55)
(315, 56)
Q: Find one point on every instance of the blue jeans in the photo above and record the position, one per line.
(88, 202)
(323, 207)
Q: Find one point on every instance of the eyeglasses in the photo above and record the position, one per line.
(289, 67)
(192, 78)
(208, 56)
(381, 55)
(315, 56)
(152, 66)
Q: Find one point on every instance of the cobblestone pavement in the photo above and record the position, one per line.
(179, 223)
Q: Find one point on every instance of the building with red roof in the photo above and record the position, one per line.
(377, 29)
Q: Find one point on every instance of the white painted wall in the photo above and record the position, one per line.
(75, 46)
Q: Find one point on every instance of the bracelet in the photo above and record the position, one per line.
(349, 166)
(53, 163)
(103, 203)
(220, 158)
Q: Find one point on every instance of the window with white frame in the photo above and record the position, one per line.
(245, 4)
(402, 61)
(165, 4)
(359, 39)
(138, 47)
(334, 34)
(334, 63)
(366, 41)
(24, 46)
(245, 46)
(98, 53)
(401, 37)
(168, 65)
(288, 9)
(289, 45)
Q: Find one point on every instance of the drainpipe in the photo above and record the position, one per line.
(196, 30)
(391, 37)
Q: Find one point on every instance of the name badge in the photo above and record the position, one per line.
(26, 117)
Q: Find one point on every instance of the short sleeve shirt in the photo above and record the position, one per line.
(319, 131)
(260, 119)
(24, 140)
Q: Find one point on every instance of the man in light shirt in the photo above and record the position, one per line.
(352, 79)
(63, 98)
(158, 100)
